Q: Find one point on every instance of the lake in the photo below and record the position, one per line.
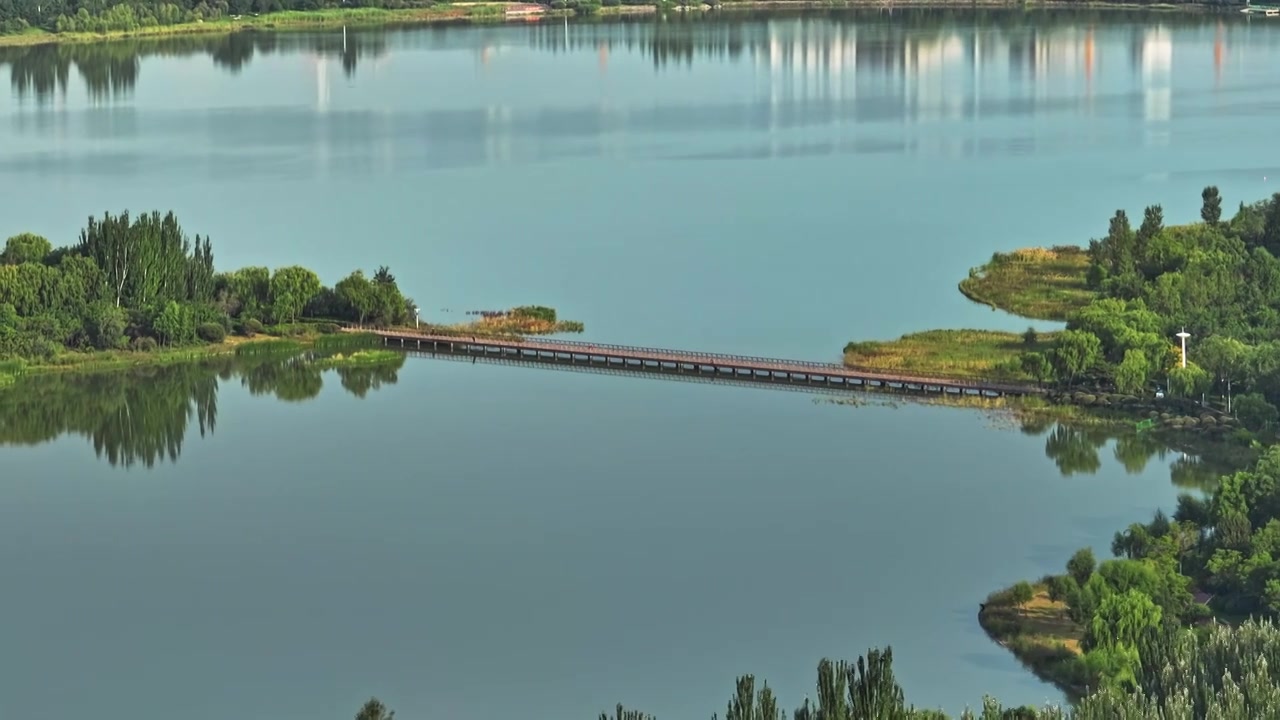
(470, 541)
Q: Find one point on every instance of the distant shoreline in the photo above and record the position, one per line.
(507, 13)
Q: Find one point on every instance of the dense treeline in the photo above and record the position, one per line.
(108, 15)
(1219, 279)
(135, 282)
(1220, 673)
(100, 16)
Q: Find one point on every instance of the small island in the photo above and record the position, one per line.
(138, 290)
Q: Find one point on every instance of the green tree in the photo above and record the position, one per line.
(25, 248)
(1075, 352)
(1131, 373)
(175, 324)
(1225, 358)
(1036, 365)
(1271, 226)
(251, 290)
(1211, 205)
(874, 692)
(374, 709)
(358, 293)
(748, 704)
(621, 713)
(105, 324)
(1152, 225)
(1255, 412)
(1189, 382)
(1081, 565)
(144, 262)
(291, 289)
(1122, 618)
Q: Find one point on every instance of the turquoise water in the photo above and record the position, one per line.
(475, 541)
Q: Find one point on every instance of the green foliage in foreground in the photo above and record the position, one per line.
(138, 283)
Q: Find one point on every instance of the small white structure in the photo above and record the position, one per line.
(1184, 335)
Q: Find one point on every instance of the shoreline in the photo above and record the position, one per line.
(497, 13)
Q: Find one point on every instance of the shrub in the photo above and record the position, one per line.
(327, 328)
(1062, 587)
(211, 332)
(143, 344)
(1021, 593)
(251, 327)
(1081, 566)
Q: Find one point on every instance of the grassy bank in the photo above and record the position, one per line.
(1036, 283)
(961, 354)
(1039, 632)
(299, 336)
(319, 334)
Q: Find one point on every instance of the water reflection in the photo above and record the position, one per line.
(111, 70)
(143, 417)
(937, 60)
(1076, 450)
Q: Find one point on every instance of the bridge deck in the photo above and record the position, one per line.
(665, 360)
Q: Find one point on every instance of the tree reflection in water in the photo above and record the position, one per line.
(142, 416)
(1076, 451)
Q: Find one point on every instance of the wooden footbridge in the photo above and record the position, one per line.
(684, 362)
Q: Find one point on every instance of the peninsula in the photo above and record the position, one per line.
(139, 290)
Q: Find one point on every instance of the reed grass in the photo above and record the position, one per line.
(10, 371)
(359, 357)
(960, 354)
(347, 341)
(273, 346)
(1037, 283)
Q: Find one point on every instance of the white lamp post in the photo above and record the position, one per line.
(1184, 335)
(416, 311)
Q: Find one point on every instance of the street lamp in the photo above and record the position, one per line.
(1184, 335)
(416, 311)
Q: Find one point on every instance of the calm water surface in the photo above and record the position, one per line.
(478, 541)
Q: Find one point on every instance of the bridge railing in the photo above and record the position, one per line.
(691, 354)
(505, 339)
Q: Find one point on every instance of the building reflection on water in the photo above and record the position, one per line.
(937, 67)
(816, 70)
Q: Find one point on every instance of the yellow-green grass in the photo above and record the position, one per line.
(1038, 283)
(1042, 635)
(286, 20)
(360, 357)
(962, 354)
